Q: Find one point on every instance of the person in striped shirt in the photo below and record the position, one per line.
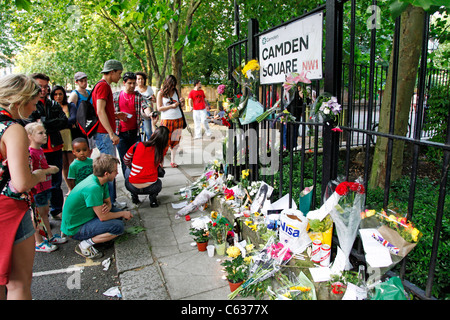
(142, 161)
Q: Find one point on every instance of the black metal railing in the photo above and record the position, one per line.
(268, 152)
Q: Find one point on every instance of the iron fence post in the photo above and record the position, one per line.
(332, 85)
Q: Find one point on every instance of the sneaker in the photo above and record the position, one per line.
(119, 205)
(135, 199)
(57, 239)
(45, 247)
(153, 202)
(90, 252)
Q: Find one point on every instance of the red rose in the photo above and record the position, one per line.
(356, 187)
(342, 189)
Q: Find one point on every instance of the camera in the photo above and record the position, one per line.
(155, 114)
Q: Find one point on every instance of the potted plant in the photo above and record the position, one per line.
(201, 237)
(218, 231)
(236, 268)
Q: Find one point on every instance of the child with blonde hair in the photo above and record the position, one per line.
(37, 137)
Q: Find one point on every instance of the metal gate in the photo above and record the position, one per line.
(254, 146)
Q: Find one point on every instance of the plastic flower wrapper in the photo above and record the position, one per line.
(346, 215)
(396, 233)
(293, 288)
(199, 201)
(326, 109)
(265, 264)
(252, 111)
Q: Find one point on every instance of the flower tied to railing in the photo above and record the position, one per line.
(248, 108)
(292, 83)
(327, 109)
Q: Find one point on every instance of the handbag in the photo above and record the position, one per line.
(181, 110)
(161, 172)
(184, 119)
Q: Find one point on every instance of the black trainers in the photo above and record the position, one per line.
(135, 198)
(153, 201)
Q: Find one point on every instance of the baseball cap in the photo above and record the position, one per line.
(111, 65)
(80, 75)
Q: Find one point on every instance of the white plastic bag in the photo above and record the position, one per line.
(293, 230)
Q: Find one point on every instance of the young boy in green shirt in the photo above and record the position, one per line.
(81, 166)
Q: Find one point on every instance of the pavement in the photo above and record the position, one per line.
(161, 262)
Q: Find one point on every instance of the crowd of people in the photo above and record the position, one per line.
(41, 145)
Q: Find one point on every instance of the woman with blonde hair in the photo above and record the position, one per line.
(18, 97)
(169, 103)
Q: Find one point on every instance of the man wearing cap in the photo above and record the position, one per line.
(79, 94)
(102, 99)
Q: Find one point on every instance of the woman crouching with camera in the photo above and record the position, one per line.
(143, 161)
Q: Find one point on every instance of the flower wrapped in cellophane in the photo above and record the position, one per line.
(346, 215)
(394, 231)
(327, 109)
(293, 288)
(248, 109)
(265, 264)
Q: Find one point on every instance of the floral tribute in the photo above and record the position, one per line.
(343, 212)
(327, 109)
(406, 229)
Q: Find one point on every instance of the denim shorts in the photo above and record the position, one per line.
(95, 227)
(42, 199)
(104, 144)
(26, 228)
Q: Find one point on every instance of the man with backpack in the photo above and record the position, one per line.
(105, 137)
(81, 93)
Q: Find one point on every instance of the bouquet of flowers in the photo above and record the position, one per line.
(293, 288)
(235, 107)
(321, 230)
(346, 215)
(291, 83)
(327, 109)
(218, 229)
(398, 234)
(221, 89)
(265, 264)
(268, 112)
(284, 117)
(248, 77)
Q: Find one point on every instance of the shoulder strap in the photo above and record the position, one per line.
(90, 95)
(4, 116)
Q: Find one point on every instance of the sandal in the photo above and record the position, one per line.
(174, 165)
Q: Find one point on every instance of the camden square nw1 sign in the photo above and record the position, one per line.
(295, 47)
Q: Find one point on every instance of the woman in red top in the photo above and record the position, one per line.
(18, 97)
(143, 160)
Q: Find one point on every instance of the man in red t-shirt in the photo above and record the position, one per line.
(197, 103)
(106, 138)
(134, 106)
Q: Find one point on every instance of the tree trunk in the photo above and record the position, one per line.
(410, 45)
